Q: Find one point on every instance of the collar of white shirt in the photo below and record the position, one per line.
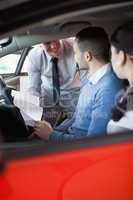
(94, 78)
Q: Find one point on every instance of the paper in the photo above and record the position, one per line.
(29, 105)
(28, 120)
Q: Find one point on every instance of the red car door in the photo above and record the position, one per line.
(89, 169)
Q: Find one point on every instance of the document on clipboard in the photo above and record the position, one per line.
(29, 106)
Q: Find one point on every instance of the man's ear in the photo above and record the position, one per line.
(87, 56)
(123, 58)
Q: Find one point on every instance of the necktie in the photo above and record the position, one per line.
(55, 79)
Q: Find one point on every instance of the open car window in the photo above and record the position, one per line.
(8, 63)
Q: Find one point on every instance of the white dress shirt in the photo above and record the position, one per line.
(40, 70)
(94, 78)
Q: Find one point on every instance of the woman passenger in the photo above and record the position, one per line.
(122, 62)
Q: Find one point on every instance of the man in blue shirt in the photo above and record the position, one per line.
(97, 97)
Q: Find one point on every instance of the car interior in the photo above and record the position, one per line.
(58, 27)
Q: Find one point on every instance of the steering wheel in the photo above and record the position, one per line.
(5, 92)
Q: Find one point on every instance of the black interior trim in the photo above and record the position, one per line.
(21, 61)
(35, 148)
(35, 11)
(7, 43)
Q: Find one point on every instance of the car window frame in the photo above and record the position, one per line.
(19, 66)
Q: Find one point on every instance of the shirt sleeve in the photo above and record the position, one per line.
(101, 113)
(67, 135)
(34, 75)
(65, 124)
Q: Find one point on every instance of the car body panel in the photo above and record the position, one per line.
(91, 173)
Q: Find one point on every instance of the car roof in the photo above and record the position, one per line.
(31, 23)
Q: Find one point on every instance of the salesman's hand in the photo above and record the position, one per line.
(43, 129)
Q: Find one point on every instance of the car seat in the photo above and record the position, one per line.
(12, 125)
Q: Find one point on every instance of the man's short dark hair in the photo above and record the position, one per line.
(122, 38)
(95, 40)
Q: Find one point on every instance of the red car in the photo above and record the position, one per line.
(88, 169)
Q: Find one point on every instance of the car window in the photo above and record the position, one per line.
(8, 63)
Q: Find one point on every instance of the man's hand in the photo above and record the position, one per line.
(43, 129)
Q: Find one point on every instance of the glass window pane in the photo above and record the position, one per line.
(9, 63)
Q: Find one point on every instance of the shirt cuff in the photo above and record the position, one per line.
(60, 137)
